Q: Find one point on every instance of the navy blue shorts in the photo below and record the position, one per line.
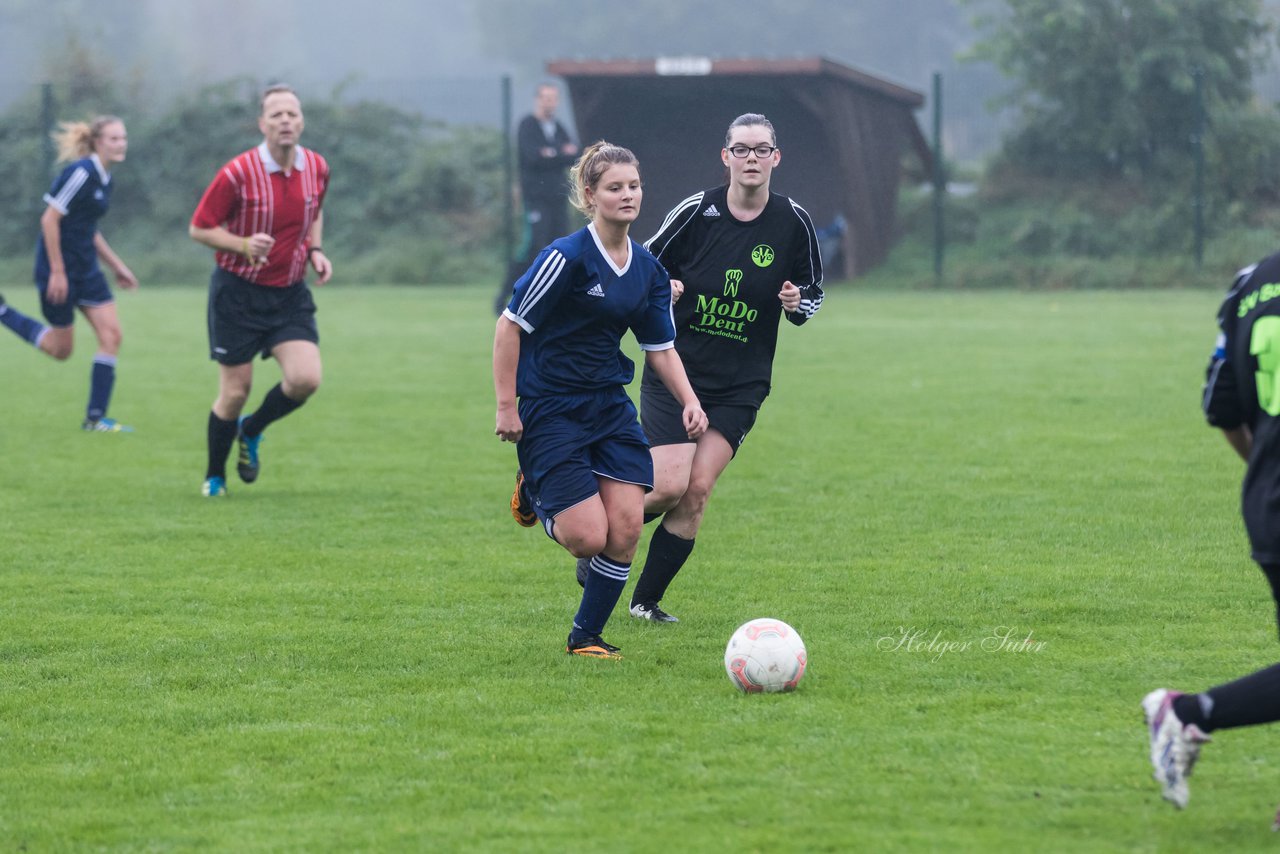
(247, 319)
(570, 441)
(91, 290)
(663, 418)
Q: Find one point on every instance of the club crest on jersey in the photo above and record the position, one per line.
(596, 291)
(711, 211)
(762, 255)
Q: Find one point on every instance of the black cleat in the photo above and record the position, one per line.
(651, 611)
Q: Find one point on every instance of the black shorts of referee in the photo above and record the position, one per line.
(247, 319)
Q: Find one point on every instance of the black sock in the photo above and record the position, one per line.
(649, 517)
(1272, 572)
(275, 405)
(221, 436)
(667, 553)
(1250, 700)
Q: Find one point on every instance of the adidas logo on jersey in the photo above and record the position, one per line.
(711, 211)
(596, 291)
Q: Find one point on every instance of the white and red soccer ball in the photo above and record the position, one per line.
(765, 656)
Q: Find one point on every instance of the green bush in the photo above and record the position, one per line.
(409, 201)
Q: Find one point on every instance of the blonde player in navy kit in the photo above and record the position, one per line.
(67, 254)
(741, 258)
(584, 464)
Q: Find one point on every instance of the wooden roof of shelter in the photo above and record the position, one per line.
(842, 133)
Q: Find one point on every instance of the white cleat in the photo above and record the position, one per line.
(1175, 746)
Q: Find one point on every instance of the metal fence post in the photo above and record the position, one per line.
(939, 181)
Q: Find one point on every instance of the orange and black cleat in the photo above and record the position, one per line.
(593, 647)
(521, 506)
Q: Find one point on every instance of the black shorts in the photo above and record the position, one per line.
(662, 418)
(246, 319)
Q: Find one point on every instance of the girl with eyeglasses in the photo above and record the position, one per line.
(741, 258)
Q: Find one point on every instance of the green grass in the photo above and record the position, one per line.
(362, 651)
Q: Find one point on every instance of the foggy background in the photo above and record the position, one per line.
(445, 58)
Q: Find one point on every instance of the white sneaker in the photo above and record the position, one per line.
(1175, 746)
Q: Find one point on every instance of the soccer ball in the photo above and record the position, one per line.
(765, 656)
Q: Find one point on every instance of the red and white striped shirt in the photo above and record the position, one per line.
(253, 194)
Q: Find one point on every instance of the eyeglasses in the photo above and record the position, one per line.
(744, 150)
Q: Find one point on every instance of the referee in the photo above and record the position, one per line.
(262, 216)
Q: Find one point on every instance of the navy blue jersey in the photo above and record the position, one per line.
(727, 320)
(576, 305)
(1242, 389)
(81, 194)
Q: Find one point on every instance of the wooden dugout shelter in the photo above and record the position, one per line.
(842, 132)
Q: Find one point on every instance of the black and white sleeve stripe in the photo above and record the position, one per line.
(673, 224)
(543, 278)
(62, 202)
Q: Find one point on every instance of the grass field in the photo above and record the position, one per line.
(363, 652)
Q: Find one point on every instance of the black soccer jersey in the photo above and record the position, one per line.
(727, 319)
(1242, 388)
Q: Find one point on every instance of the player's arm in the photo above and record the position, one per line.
(216, 206)
(506, 358)
(51, 229)
(124, 275)
(1241, 439)
(320, 261)
(667, 365)
(1220, 398)
(806, 273)
(254, 247)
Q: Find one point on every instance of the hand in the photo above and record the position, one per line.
(695, 420)
(257, 247)
(509, 427)
(789, 296)
(56, 289)
(568, 149)
(323, 267)
(677, 290)
(126, 278)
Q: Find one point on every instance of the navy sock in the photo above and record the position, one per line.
(27, 328)
(275, 405)
(667, 553)
(221, 436)
(101, 381)
(600, 594)
(649, 517)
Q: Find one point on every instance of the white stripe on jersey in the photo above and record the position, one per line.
(62, 202)
(688, 206)
(542, 281)
(809, 307)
